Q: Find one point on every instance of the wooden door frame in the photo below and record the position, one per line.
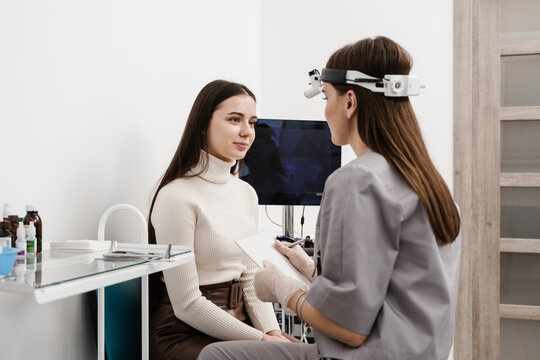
(476, 176)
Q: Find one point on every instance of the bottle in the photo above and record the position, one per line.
(33, 216)
(20, 243)
(7, 211)
(5, 234)
(14, 221)
(20, 269)
(31, 239)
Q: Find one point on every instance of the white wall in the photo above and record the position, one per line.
(298, 36)
(94, 96)
(93, 100)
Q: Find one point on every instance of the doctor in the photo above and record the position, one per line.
(387, 244)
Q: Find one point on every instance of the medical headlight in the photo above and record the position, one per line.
(390, 85)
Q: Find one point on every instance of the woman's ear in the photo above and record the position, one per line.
(351, 104)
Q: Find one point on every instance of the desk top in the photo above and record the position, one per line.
(55, 274)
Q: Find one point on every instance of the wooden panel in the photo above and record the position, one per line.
(530, 47)
(476, 177)
(520, 113)
(524, 312)
(520, 245)
(463, 341)
(519, 179)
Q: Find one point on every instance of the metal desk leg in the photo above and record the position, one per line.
(144, 319)
(101, 324)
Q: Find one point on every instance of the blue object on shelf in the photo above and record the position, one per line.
(7, 259)
(123, 320)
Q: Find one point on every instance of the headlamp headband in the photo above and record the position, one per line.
(390, 85)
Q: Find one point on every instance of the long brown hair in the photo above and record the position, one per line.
(188, 153)
(388, 126)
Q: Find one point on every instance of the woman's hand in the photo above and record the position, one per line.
(298, 258)
(274, 335)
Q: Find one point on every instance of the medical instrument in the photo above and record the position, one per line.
(390, 85)
(285, 238)
(114, 254)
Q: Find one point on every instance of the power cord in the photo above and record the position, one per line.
(268, 216)
(302, 223)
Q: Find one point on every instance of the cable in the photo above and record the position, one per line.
(268, 216)
(302, 223)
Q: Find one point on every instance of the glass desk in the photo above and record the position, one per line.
(57, 274)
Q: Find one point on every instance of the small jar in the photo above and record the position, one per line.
(14, 221)
(5, 234)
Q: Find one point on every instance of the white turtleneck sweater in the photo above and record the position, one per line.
(209, 212)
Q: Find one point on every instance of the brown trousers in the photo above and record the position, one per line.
(173, 339)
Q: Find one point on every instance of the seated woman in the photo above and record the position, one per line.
(201, 202)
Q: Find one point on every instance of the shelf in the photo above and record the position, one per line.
(515, 245)
(523, 312)
(516, 48)
(519, 179)
(520, 113)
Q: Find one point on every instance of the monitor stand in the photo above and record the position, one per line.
(288, 221)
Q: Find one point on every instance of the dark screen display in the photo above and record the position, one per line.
(289, 161)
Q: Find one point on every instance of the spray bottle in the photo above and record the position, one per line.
(20, 243)
(31, 239)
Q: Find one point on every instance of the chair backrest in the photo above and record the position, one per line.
(123, 320)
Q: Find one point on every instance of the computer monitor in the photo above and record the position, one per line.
(290, 160)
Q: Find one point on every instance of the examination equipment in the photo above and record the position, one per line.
(114, 254)
(390, 85)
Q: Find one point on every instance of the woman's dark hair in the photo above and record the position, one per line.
(388, 126)
(188, 153)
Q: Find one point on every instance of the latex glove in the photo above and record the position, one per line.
(272, 285)
(298, 258)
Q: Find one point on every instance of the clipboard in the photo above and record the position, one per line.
(261, 246)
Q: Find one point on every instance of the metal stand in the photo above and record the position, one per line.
(288, 221)
(288, 230)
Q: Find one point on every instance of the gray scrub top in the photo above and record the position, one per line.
(382, 272)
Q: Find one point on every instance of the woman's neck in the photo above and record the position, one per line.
(215, 170)
(358, 145)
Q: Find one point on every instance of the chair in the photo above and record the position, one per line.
(121, 306)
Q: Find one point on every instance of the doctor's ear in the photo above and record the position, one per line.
(350, 103)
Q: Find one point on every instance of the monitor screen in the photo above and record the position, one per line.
(289, 161)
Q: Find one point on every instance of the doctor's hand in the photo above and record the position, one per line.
(272, 285)
(274, 335)
(298, 258)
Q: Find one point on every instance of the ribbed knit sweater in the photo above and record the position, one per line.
(209, 212)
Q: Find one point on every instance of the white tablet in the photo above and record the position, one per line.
(261, 246)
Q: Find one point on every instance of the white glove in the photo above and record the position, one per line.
(272, 285)
(299, 259)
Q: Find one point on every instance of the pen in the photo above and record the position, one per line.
(298, 242)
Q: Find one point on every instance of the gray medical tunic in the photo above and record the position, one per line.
(382, 272)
